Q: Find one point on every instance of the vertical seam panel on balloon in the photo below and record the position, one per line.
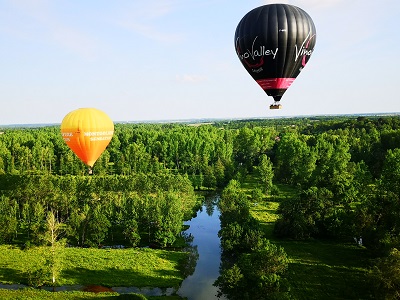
(286, 42)
(298, 16)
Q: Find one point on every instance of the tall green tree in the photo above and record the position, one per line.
(265, 168)
(56, 253)
(295, 160)
(305, 216)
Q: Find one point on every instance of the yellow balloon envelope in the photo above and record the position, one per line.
(87, 131)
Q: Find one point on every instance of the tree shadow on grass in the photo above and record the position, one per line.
(113, 277)
(327, 270)
(327, 282)
(8, 275)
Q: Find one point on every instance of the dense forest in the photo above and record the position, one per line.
(346, 171)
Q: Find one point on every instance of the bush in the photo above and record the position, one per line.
(385, 276)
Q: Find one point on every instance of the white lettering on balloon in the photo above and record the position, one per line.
(253, 53)
(303, 48)
(261, 51)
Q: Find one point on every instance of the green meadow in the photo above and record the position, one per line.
(88, 266)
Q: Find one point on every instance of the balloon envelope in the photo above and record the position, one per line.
(274, 42)
(87, 131)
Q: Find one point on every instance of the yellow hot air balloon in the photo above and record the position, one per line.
(87, 131)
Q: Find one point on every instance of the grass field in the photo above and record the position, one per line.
(317, 269)
(84, 267)
(34, 294)
(108, 267)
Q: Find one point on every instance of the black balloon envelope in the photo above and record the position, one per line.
(274, 42)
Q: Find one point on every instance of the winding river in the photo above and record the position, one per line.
(204, 230)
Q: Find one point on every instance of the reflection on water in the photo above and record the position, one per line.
(206, 250)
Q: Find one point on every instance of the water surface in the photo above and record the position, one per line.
(204, 230)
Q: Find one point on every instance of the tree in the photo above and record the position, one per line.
(233, 204)
(385, 276)
(262, 270)
(33, 217)
(332, 168)
(295, 159)
(52, 235)
(8, 219)
(167, 218)
(97, 226)
(305, 216)
(230, 283)
(390, 178)
(131, 232)
(265, 168)
(379, 214)
(247, 147)
(256, 275)
(231, 237)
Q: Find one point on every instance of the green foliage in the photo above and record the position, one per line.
(8, 219)
(265, 168)
(233, 204)
(296, 161)
(390, 178)
(252, 265)
(385, 276)
(257, 195)
(97, 210)
(307, 215)
(379, 214)
(261, 270)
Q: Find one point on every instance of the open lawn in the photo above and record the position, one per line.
(34, 294)
(326, 270)
(83, 267)
(107, 267)
(317, 269)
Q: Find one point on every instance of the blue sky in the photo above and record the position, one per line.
(175, 59)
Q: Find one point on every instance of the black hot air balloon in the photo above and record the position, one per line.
(274, 42)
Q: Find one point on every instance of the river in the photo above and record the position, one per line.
(204, 230)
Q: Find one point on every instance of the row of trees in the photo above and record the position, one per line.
(216, 151)
(140, 209)
(251, 266)
(210, 155)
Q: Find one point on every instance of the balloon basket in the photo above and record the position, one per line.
(275, 106)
